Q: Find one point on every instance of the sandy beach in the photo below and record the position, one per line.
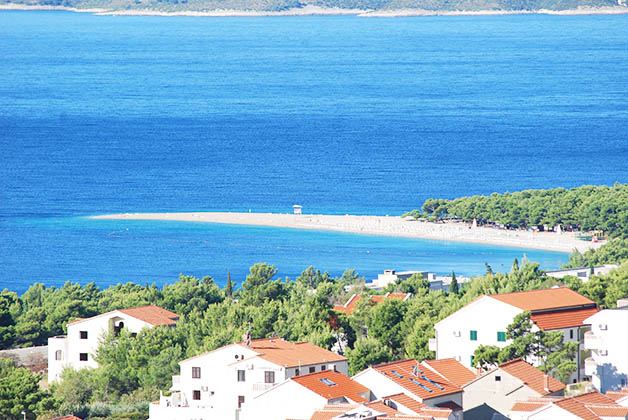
(380, 225)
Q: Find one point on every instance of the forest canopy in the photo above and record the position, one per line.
(585, 208)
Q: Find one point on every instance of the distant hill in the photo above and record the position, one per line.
(427, 6)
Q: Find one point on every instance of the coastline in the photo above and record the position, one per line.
(393, 226)
(310, 10)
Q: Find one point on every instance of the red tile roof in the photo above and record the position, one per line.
(419, 381)
(331, 385)
(532, 377)
(562, 319)
(152, 314)
(544, 299)
(608, 411)
(351, 304)
(287, 354)
(617, 395)
(452, 370)
(594, 397)
(527, 406)
(408, 402)
(577, 408)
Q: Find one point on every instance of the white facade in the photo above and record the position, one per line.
(583, 273)
(221, 383)
(458, 335)
(77, 349)
(608, 342)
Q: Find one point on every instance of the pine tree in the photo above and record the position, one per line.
(229, 286)
(453, 286)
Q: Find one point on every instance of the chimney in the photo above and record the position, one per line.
(546, 383)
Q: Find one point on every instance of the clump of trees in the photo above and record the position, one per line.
(585, 208)
(132, 370)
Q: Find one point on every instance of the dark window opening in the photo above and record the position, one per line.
(196, 372)
(498, 378)
(196, 395)
(240, 400)
(83, 357)
(312, 369)
(241, 376)
(83, 335)
(269, 377)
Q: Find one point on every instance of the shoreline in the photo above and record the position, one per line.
(392, 226)
(310, 10)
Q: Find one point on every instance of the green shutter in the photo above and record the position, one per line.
(474, 335)
(501, 336)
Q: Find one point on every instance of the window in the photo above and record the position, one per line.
(571, 334)
(323, 367)
(83, 335)
(312, 369)
(240, 400)
(473, 335)
(196, 372)
(498, 378)
(241, 376)
(472, 360)
(196, 394)
(269, 377)
(501, 336)
(58, 355)
(133, 335)
(297, 372)
(83, 357)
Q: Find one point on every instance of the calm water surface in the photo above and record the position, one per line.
(103, 114)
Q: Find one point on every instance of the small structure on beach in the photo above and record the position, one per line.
(297, 209)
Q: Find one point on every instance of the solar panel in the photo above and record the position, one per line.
(327, 382)
(395, 373)
(432, 382)
(421, 385)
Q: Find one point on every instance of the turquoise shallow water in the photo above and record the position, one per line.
(107, 114)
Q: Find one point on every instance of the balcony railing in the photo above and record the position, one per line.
(432, 344)
(592, 341)
(590, 367)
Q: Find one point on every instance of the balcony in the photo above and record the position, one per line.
(590, 367)
(432, 344)
(261, 387)
(592, 341)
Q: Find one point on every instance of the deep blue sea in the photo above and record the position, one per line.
(104, 114)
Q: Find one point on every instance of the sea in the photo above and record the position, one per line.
(339, 114)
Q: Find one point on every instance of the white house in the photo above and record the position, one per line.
(608, 342)
(299, 396)
(591, 406)
(391, 277)
(219, 384)
(77, 349)
(485, 320)
(583, 273)
(497, 390)
(417, 381)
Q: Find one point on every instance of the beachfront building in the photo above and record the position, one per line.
(392, 277)
(583, 273)
(496, 391)
(221, 383)
(77, 348)
(556, 309)
(608, 342)
(590, 406)
(414, 380)
(298, 397)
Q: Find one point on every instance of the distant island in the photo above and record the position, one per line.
(366, 8)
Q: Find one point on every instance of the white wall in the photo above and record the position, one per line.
(55, 367)
(288, 400)
(95, 327)
(486, 315)
(499, 395)
(609, 327)
(379, 385)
